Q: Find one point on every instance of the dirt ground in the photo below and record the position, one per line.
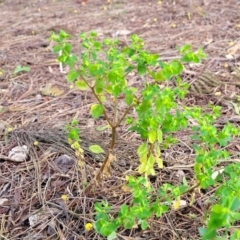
(36, 105)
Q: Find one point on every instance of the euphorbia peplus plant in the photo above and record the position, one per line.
(151, 110)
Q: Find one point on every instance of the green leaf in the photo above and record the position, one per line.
(96, 149)
(235, 235)
(129, 222)
(142, 150)
(147, 166)
(144, 224)
(105, 228)
(93, 34)
(96, 110)
(102, 98)
(160, 209)
(85, 45)
(63, 58)
(129, 96)
(97, 46)
(190, 57)
(109, 89)
(141, 69)
(129, 120)
(116, 90)
(129, 99)
(66, 49)
(74, 134)
(207, 233)
(124, 210)
(112, 76)
(157, 151)
(201, 53)
(151, 160)
(57, 48)
(176, 67)
(219, 217)
(145, 105)
(80, 84)
(112, 236)
(235, 204)
(72, 59)
(107, 41)
(82, 35)
(185, 48)
(73, 75)
(54, 37)
(129, 69)
(99, 85)
(63, 34)
(159, 162)
(159, 76)
(167, 72)
(201, 231)
(236, 108)
(159, 136)
(152, 136)
(20, 68)
(152, 59)
(95, 69)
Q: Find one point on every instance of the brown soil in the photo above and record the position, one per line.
(32, 189)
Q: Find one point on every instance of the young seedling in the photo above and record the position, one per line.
(20, 68)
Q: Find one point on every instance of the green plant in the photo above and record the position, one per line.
(151, 110)
(20, 68)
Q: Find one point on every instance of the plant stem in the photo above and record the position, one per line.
(98, 99)
(127, 111)
(192, 188)
(97, 178)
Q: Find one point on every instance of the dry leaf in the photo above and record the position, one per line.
(50, 69)
(218, 94)
(238, 147)
(180, 173)
(123, 32)
(90, 122)
(234, 50)
(3, 201)
(216, 173)
(50, 90)
(208, 41)
(19, 153)
(42, 215)
(64, 163)
(106, 169)
(125, 188)
(178, 203)
(229, 56)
